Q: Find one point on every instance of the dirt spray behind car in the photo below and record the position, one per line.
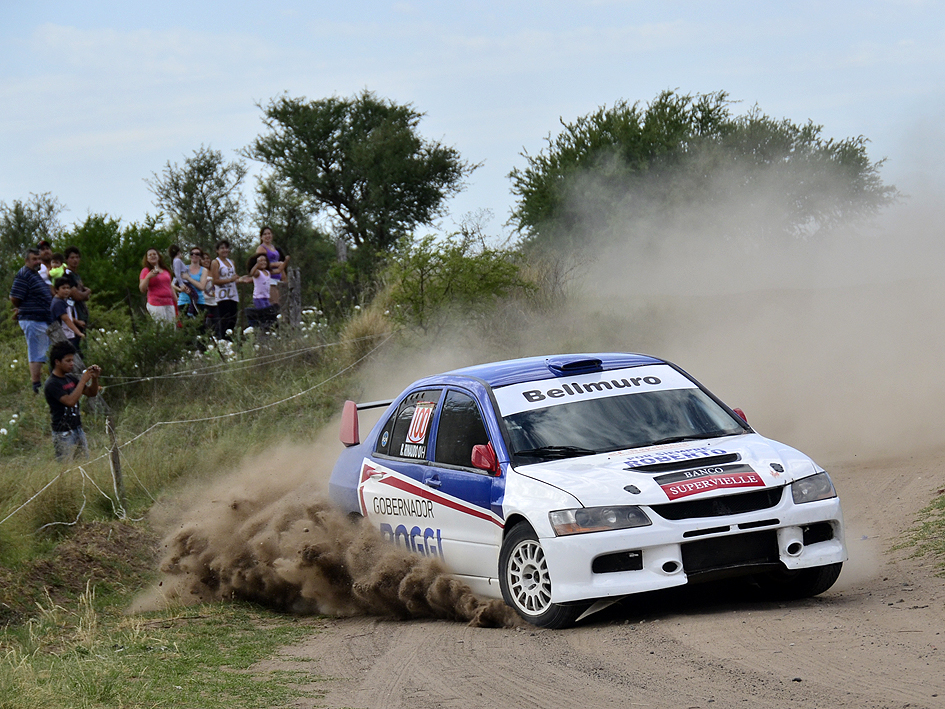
(266, 534)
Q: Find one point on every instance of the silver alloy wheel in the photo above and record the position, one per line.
(528, 580)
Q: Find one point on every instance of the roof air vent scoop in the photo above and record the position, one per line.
(564, 366)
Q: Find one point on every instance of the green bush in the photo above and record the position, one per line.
(430, 280)
(128, 357)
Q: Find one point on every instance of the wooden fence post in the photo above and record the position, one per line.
(295, 297)
(114, 462)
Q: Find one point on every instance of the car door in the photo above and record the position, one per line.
(472, 526)
(390, 491)
(434, 503)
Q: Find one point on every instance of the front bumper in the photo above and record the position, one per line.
(673, 552)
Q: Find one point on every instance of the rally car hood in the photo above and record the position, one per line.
(660, 474)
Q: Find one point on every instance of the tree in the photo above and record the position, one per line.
(362, 161)
(112, 255)
(431, 279)
(628, 167)
(203, 195)
(25, 223)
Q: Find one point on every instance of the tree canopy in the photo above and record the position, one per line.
(681, 154)
(428, 280)
(203, 195)
(362, 162)
(24, 223)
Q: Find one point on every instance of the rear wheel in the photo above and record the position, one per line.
(786, 585)
(526, 582)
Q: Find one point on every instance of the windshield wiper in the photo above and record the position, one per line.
(556, 452)
(689, 437)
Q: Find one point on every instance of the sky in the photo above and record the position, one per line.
(99, 96)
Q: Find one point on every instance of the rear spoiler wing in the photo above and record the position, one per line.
(350, 434)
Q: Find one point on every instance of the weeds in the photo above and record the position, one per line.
(927, 537)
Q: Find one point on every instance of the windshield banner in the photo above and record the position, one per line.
(528, 396)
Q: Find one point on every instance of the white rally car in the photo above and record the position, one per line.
(565, 483)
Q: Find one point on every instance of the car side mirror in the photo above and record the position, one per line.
(350, 435)
(484, 458)
(741, 415)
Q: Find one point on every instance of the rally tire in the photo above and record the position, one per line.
(526, 582)
(785, 585)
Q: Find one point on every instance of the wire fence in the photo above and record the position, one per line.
(229, 367)
(116, 501)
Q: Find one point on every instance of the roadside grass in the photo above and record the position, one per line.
(927, 536)
(199, 656)
(195, 422)
(64, 583)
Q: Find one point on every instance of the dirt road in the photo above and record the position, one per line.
(877, 639)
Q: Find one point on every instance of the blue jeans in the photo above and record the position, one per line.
(66, 443)
(37, 341)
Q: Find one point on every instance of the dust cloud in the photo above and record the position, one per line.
(267, 534)
(831, 343)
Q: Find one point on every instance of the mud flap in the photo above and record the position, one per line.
(599, 605)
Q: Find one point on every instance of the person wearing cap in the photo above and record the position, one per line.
(31, 300)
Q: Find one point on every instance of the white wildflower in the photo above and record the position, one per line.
(3, 431)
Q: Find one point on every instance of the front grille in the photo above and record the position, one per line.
(720, 506)
(730, 552)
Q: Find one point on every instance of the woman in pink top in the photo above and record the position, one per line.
(155, 281)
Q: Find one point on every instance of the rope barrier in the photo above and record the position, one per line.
(227, 368)
(85, 475)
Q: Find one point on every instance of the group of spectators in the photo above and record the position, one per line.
(208, 285)
(50, 304)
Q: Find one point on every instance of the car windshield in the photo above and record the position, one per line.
(617, 423)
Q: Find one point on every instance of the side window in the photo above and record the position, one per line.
(460, 429)
(406, 433)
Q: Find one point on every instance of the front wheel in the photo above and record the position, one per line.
(787, 585)
(526, 582)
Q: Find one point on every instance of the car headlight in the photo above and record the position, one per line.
(813, 488)
(597, 519)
